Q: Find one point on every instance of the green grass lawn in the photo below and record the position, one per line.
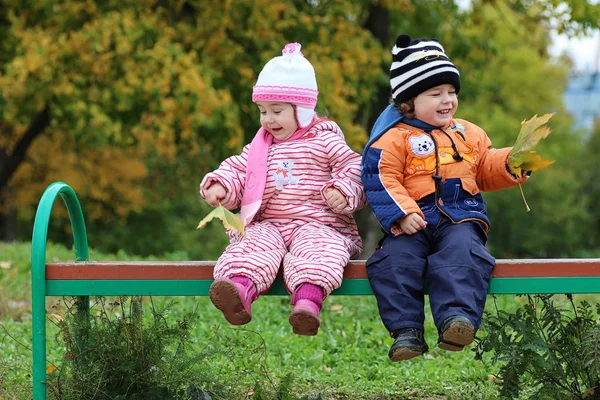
(346, 360)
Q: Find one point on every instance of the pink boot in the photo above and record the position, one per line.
(307, 300)
(234, 298)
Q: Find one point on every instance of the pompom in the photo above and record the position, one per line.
(403, 41)
(292, 48)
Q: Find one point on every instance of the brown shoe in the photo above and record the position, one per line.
(456, 333)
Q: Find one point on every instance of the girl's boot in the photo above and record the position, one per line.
(307, 300)
(234, 298)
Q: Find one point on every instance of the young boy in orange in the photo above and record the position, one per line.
(423, 171)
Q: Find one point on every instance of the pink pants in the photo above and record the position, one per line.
(310, 252)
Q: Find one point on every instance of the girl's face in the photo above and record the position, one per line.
(279, 119)
(437, 105)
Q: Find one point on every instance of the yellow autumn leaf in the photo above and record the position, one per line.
(336, 307)
(522, 157)
(50, 368)
(56, 317)
(229, 219)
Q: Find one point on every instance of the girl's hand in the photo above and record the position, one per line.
(412, 223)
(335, 199)
(214, 194)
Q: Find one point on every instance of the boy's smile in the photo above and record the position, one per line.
(437, 105)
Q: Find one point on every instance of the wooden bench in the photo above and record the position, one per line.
(193, 278)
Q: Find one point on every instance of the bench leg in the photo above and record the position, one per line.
(38, 322)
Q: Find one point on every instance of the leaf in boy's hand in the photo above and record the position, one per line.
(530, 161)
(229, 219)
(522, 158)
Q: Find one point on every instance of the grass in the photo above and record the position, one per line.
(346, 360)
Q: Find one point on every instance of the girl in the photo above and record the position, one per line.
(297, 183)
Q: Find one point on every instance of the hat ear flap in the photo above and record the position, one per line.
(403, 41)
(304, 116)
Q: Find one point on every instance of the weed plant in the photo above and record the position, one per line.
(550, 348)
(118, 354)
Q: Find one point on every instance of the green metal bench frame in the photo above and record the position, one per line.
(193, 278)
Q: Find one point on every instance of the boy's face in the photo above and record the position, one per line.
(278, 119)
(437, 105)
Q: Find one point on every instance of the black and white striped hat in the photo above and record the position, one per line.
(419, 65)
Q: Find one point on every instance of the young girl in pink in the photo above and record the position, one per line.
(297, 184)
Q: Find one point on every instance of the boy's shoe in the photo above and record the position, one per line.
(456, 333)
(304, 318)
(232, 299)
(408, 343)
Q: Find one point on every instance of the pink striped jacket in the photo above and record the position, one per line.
(298, 173)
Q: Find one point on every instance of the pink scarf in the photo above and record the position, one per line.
(256, 170)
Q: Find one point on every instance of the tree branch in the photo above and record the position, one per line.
(10, 162)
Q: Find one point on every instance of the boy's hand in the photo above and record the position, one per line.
(517, 173)
(214, 194)
(335, 199)
(412, 223)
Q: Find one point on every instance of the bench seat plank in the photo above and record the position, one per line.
(193, 278)
(199, 270)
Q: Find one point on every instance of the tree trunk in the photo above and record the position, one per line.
(378, 23)
(9, 163)
(369, 230)
(8, 225)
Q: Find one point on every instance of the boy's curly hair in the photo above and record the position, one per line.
(407, 108)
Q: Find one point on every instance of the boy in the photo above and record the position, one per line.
(423, 172)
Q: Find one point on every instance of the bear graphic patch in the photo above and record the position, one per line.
(421, 145)
(283, 175)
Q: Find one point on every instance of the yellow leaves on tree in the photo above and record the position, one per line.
(163, 87)
(124, 96)
(229, 219)
(522, 158)
(108, 176)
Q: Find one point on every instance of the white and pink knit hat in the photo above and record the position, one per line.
(289, 78)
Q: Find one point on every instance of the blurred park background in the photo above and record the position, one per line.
(131, 102)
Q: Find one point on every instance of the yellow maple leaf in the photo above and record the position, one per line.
(522, 158)
(229, 219)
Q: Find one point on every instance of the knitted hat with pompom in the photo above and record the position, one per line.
(417, 66)
(289, 78)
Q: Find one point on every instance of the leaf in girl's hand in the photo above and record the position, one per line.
(522, 158)
(229, 219)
